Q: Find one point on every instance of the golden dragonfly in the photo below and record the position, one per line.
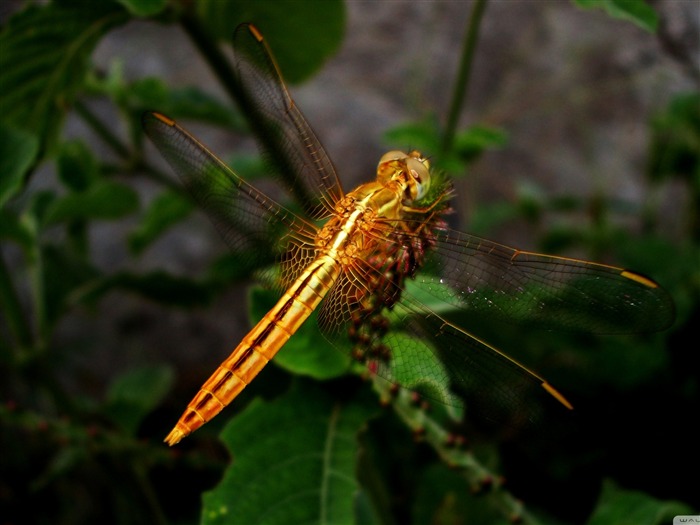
(381, 260)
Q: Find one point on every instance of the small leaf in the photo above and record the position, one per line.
(307, 352)
(285, 26)
(475, 140)
(77, 167)
(422, 135)
(675, 141)
(295, 461)
(635, 11)
(104, 200)
(18, 150)
(181, 103)
(166, 210)
(627, 507)
(134, 395)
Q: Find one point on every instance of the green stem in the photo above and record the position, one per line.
(460, 90)
(433, 431)
(213, 55)
(102, 131)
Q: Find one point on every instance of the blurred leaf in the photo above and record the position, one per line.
(675, 141)
(232, 267)
(65, 460)
(43, 62)
(103, 200)
(13, 229)
(180, 103)
(307, 352)
(157, 286)
(167, 209)
(636, 11)
(422, 135)
(425, 136)
(626, 507)
(144, 7)
(472, 142)
(286, 27)
(77, 167)
(63, 273)
(295, 461)
(134, 395)
(18, 150)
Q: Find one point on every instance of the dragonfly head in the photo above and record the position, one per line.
(411, 168)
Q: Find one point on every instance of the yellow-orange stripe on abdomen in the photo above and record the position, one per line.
(258, 347)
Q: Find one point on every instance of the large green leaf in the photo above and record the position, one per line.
(627, 507)
(45, 55)
(294, 462)
(301, 33)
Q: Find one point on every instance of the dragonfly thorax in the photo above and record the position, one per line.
(411, 168)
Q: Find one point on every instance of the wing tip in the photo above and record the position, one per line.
(557, 395)
(639, 278)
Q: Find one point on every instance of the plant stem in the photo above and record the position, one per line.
(461, 85)
(102, 131)
(213, 55)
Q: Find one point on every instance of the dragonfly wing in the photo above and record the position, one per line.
(246, 217)
(287, 140)
(415, 346)
(489, 279)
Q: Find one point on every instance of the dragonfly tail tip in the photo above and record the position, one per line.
(174, 437)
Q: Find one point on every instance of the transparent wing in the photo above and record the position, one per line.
(287, 140)
(257, 228)
(487, 278)
(416, 343)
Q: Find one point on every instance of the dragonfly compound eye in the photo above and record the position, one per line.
(419, 171)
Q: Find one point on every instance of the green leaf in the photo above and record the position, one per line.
(295, 461)
(307, 352)
(167, 209)
(144, 7)
(301, 33)
(45, 55)
(635, 11)
(675, 141)
(423, 135)
(77, 167)
(104, 200)
(18, 151)
(180, 103)
(134, 395)
(472, 142)
(627, 507)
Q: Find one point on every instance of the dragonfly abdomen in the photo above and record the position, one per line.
(258, 347)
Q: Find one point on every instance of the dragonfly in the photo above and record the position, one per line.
(379, 265)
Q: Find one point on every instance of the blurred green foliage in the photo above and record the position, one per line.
(72, 455)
